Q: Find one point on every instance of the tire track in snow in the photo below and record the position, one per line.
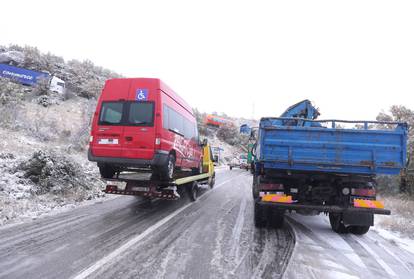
(345, 265)
(323, 253)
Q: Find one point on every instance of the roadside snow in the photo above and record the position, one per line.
(401, 219)
(39, 183)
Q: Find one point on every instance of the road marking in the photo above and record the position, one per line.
(114, 254)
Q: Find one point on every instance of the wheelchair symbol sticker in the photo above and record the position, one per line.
(141, 94)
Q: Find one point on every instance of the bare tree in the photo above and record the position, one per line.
(403, 114)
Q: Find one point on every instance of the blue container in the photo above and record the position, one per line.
(22, 76)
(318, 149)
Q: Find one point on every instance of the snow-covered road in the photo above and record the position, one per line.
(126, 238)
(214, 237)
(321, 253)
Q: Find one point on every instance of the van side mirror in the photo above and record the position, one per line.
(202, 142)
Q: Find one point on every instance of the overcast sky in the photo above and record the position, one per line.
(352, 59)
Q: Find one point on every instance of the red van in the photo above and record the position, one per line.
(141, 123)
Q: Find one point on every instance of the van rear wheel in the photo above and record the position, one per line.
(166, 172)
(107, 171)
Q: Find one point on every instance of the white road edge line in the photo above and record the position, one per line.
(103, 261)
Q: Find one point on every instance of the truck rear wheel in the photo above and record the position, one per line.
(107, 171)
(193, 190)
(360, 230)
(259, 215)
(255, 190)
(212, 181)
(337, 224)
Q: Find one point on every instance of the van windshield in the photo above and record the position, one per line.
(127, 113)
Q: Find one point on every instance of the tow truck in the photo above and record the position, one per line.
(145, 185)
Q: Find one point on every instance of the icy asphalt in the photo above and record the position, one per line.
(125, 237)
(212, 238)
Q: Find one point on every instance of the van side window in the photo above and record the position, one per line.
(196, 133)
(111, 113)
(172, 120)
(188, 129)
(176, 121)
(165, 117)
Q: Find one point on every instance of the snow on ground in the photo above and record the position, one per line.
(321, 253)
(396, 238)
(401, 220)
(43, 160)
(43, 181)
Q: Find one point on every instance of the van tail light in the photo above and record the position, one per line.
(91, 139)
(363, 192)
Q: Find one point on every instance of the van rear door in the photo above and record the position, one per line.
(108, 142)
(108, 129)
(139, 132)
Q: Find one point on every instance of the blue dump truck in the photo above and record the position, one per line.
(318, 166)
(31, 78)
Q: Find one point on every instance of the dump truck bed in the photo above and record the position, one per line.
(314, 147)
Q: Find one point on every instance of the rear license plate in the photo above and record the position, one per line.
(139, 189)
(108, 141)
(120, 185)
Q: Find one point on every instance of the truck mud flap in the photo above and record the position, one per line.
(358, 218)
(327, 208)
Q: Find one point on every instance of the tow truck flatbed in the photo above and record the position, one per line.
(155, 188)
(143, 184)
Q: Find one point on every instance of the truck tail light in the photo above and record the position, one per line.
(363, 192)
(271, 186)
